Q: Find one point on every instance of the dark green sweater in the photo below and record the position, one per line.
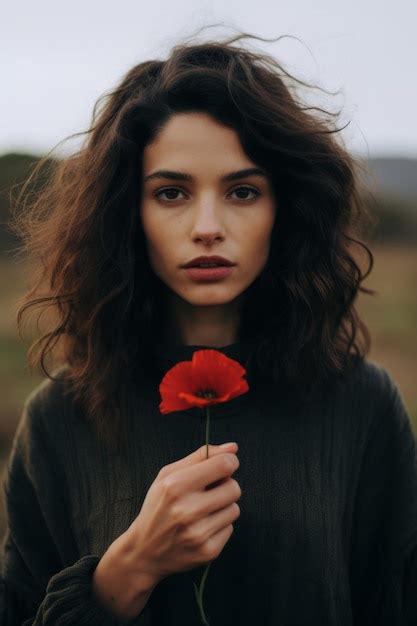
(327, 533)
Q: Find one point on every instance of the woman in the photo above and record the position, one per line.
(110, 515)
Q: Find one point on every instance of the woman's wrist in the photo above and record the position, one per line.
(119, 583)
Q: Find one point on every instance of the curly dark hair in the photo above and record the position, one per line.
(83, 235)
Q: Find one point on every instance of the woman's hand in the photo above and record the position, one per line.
(185, 521)
(187, 515)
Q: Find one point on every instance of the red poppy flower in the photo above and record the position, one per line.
(210, 377)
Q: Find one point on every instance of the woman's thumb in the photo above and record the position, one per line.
(219, 448)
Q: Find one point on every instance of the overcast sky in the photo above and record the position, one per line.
(58, 58)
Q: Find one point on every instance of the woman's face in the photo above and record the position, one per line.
(183, 219)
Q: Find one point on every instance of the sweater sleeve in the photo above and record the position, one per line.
(383, 560)
(38, 587)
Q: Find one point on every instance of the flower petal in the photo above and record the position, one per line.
(178, 378)
(214, 370)
(208, 370)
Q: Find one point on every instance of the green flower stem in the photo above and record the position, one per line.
(199, 592)
(207, 431)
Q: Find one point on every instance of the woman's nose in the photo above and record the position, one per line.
(206, 220)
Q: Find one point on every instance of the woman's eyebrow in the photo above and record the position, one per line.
(172, 175)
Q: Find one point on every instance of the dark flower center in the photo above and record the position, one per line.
(208, 394)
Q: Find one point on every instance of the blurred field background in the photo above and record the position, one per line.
(391, 316)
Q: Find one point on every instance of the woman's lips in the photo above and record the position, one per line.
(207, 274)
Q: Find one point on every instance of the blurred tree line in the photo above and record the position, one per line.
(15, 169)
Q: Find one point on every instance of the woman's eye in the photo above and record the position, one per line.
(245, 190)
(170, 190)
